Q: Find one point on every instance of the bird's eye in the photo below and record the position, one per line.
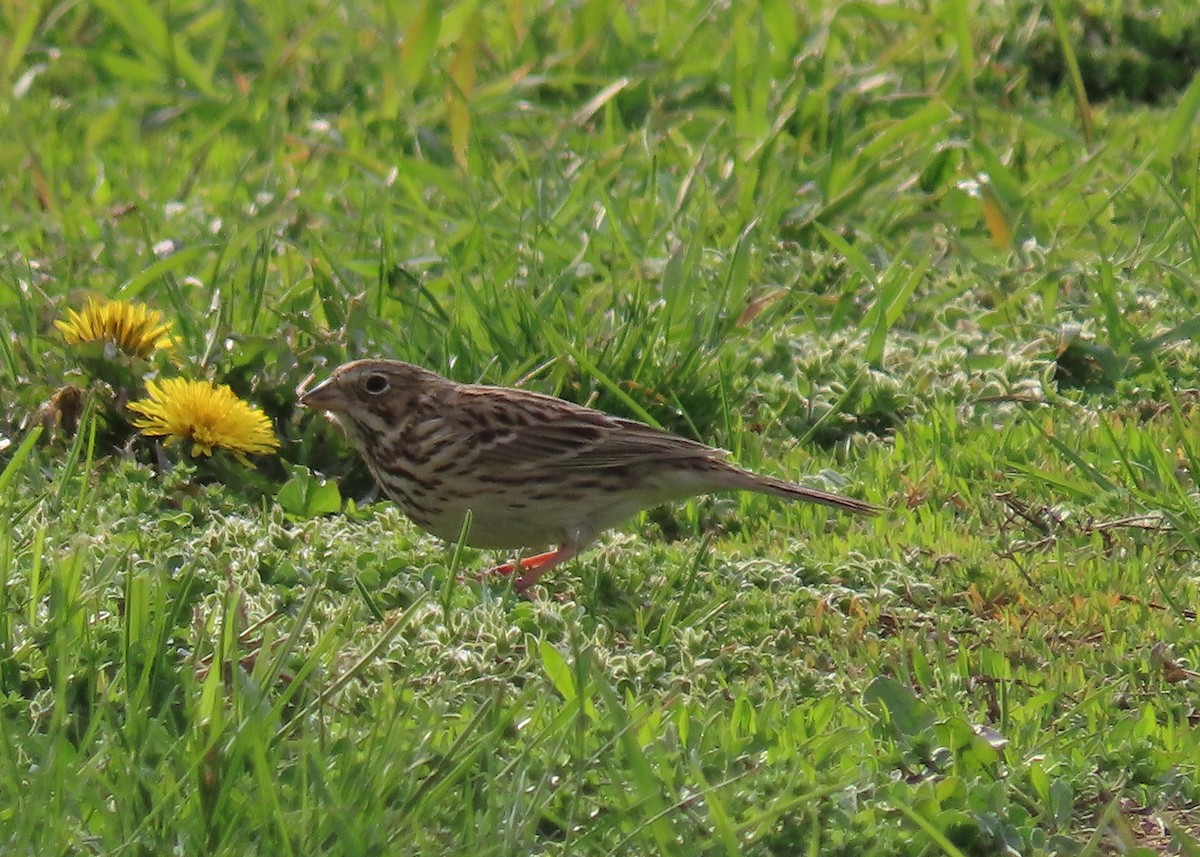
(375, 384)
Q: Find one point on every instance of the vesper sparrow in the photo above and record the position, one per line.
(531, 469)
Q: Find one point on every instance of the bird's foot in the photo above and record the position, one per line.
(531, 568)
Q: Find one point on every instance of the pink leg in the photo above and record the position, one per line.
(533, 567)
(528, 562)
(536, 566)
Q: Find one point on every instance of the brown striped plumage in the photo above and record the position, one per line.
(532, 470)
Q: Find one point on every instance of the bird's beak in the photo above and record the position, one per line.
(324, 397)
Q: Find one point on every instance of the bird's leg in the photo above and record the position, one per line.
(535, 566)
(532, 567)
(522, 564)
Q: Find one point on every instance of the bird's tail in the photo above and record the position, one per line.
(744, 479)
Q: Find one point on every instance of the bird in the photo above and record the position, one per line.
(531, 470)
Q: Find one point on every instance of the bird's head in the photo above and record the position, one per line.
(370, 396)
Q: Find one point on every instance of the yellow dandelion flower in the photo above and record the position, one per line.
(208, 415)
(134, 328)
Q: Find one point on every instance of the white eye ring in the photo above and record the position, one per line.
(375, 384)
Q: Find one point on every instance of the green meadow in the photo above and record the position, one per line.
(939, 256)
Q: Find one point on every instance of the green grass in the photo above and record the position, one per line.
(937, 255)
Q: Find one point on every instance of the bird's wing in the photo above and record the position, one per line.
(521, 430)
